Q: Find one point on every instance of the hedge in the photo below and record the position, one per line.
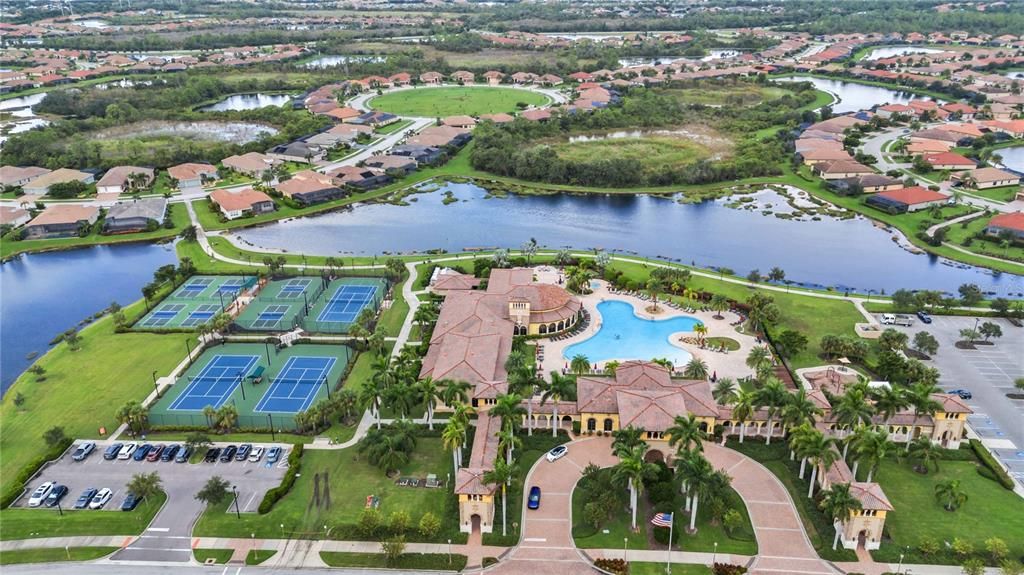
(273, 495)
(990, 462)
(26, 473)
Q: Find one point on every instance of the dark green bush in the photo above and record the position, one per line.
(18, 486)
(273, 495)
(988, 461)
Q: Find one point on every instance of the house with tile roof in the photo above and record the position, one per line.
(61, 221)
(1012, 223)
(903, 200)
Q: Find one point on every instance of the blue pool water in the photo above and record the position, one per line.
(625, 336)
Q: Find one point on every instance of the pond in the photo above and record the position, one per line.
(43, 294)
(843, 253)
(891, 51)
(853, 96)
(1014, 74)
(22, 115)
(332, 61)
(656, 61)
(623, 335)
(239, 102)
(238, 132)
(1013, 158)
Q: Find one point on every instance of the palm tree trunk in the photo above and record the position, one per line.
(455, 460)
(792, 455)
(743, 430)
(814, 476)
(632, 502)
(846, 448)
(529, 416)
(803, 463)
(693, 515)
(856, 464)
(377, 409)
(771, 428)
(689, 502)
(835, 540)
(430, 417)
(871, 470)
(504, 501)
(554, 433)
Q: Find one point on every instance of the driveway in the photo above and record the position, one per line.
(988, 373)
(168, 537)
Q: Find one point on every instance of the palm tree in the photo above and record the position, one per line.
(209, 412)
(502, 474)
(820, 452)
(799, 409)
(873, 449)
(702, 332)
(558, 389)
(799, 439)
(950, 494)
(508, 442)
(686, 432)
(852, 410)
(926, 453)
(719, 304)
(579, 364)
(724, 391)
(429, 394)
(631, 470)
(508, 407)
(742, 410)
(695, 471)
(610, 367)
(454, 391)
(372, 396)
(523, 382)
(855, 441)
(145, 485)
(696, 368)
(653, 289)
(227, 417)
(515, 361)
(889, 401)
(453, 436)
(760, 360)
(385, 451)
(401, 397)
(625, 439)
(839, 504)
(772, 397)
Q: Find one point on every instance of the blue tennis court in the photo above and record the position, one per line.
(270, 317)
(215, 383)
(296, 385)
(294, 288)
(201, 315)
(344, 305)
(163, 315)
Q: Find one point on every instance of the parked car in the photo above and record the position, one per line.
(56, 494)
(273, 454)
(534, 501)
(83, 451)
(183, 455)
(85, 498)
(256, 454)
(961, 393)
(141, 452)
(211, 454)
(40, 494)
(131, 501)
(127, 451)
(101, 498)
(228, 453)
(243, 452)
(924, 317)
(112, 451)
(897, 319)
(169, 452)
(155, 453)
(557, 453)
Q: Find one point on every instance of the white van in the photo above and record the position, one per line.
(127, 451)
(888, 319)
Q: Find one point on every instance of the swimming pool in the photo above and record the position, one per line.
(625, 336)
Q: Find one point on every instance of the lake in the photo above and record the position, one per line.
(1013, 158)
(853, 96)
(238, 132)
(23, 116)
(845, 253)
(240, 102)
(43, 294)
(332, 61)
(891, 51)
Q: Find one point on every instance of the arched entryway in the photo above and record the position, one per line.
(654, 456)
(475, 523)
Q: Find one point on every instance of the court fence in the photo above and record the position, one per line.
(246, 423)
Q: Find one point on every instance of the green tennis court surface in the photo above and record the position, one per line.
(280, 304)
(240, 374)
(195, 302)
(341, 302)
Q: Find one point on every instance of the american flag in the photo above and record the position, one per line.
(662, 520)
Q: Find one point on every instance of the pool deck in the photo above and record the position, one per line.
(732, 364)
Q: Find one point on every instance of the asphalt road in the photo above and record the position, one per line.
(988, 373)
(167, 538)
(110, 568)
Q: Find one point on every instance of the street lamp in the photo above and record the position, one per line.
(625, 546)
(900, 566)
(238, 513)
(714, 556)
(156, 387)
(282, 531)
(449, 551)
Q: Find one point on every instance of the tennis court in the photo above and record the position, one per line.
(195, 302)
(280, 304)
(212, 287)
(342, 302)
(213, 385)
(297, 385)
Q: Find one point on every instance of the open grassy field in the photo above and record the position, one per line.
(653, 152)
(744, 94)
(82, 390)
(958, 233)
(990, 511)
(455, 100)
(410, 561)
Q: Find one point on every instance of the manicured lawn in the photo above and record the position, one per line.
(83, 389)
(180, 436)
(411, 561)
(640, 568)
(744, 94)
(258, 556)
(1001, 194)
(393, 318)
(24, 523)
(352, 479)
(218, 555)
(990, 511)
(54, 554)
(958, 233)
(179, 217)
(455, 100)
(392, 128)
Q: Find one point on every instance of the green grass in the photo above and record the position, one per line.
(641, 568)
(218, 555)
(352, 480)
(258, 556)
(744, 94)
(179, 217)
(392, 128)
(83, 389)
(958, 233)
(181, 436)
(651, 152)
(729, 343)
(990, 511)
(411, 561)
(455, 100)
(24, 523)
(54, 554)
(393, 318)
(1001, 194)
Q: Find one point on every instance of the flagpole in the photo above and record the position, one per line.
(668, 559)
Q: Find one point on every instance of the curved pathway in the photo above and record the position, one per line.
(547, 545)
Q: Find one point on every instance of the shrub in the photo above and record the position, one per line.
(928, 546)
(429, 525)
(369, 522)
(990, 462)
(663, 493)
(616, 566)
(727, 569)
(962, 548)
(273, 495)
(661, 535)
(18, 485)
(399, 522)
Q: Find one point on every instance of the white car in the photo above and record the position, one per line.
(127, 450)
(101, 498)
(256, 454)
(39, 495)
(557, 453)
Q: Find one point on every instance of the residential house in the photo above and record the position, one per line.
(401, 79)
(537, 115)
(122, 179)
(375, 119)
(493, 77)
(960, 110)
(394, 165)
(41, 184)
(890, 110)
(235, 204)
(431, 78)
(873, 183)
(464, 77)
(841, 169)
(137, 216)
(907, 200)
(61, 221)
(927, 147)
(499, 118)
(441, 137)
(935, 135)
(467, 122)
(550, 80)
(310, 187)
(13, 217)
(1015, 128)
(191, 176)
(818, 155)
(1011, 223)
(984, 178)
(360, 178)
(19, 176)
(252, 164)
(297, 151)
(343, 114)
(949, 161)
(424, 155)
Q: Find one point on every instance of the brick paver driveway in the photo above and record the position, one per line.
(547, 547)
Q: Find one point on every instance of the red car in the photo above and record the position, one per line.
(154, 454)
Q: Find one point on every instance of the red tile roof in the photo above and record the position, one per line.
(913, 195)
(1011, 221)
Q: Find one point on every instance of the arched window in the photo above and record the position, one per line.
(591, 424)
(543, 328)
(608, 424)
(561, 325)
(551, 327)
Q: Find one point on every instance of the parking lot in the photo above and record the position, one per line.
(168, 537)
(988, 373)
